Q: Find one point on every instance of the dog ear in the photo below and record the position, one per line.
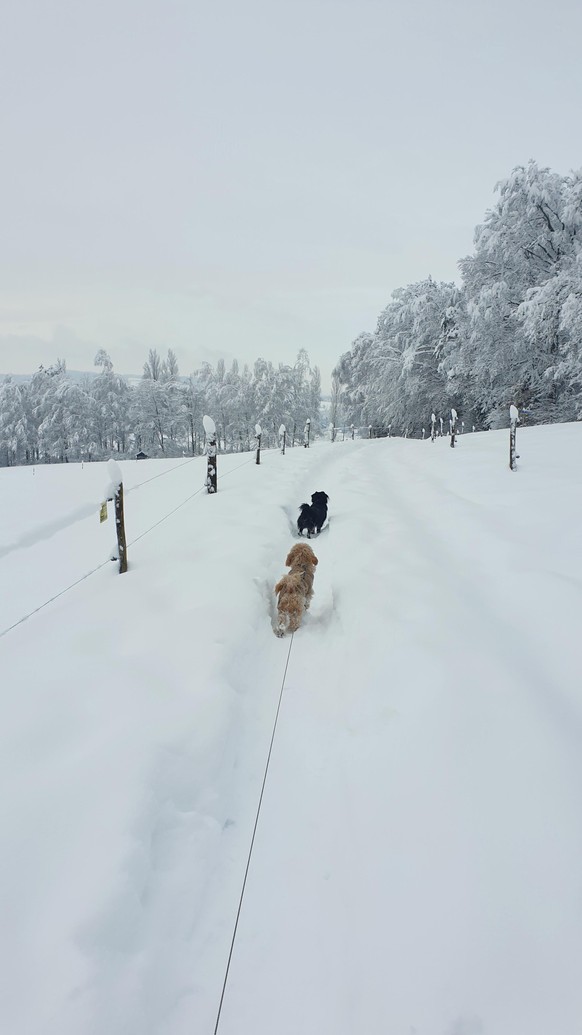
(280, 585)
(315, 560)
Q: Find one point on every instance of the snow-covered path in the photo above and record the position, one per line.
(413, 867)
(416, 862)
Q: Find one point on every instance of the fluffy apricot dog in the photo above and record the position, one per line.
(295, 590)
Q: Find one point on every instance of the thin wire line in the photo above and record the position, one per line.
(105, 563)
(162, 474)
(63, 528)
(52, 599)
(252, 841)
(148, 530)
(190, 459)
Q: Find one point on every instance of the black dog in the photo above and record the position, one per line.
(312, 517)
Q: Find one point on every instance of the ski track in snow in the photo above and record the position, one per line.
(423, 788)
(407, 552)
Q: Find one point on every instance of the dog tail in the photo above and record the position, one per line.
(305, 506)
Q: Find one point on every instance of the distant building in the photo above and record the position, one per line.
(141, 455)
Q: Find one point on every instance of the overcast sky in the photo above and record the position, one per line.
(246, 178)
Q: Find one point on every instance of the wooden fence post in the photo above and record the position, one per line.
(282, 438)
(353, 432)
(307, 432)
(258, 433)
(117, 495)
(433, 427)
(453, 424)
(211, 472)
(513, 422)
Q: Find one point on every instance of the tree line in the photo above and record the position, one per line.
(510, 333)
(54, 418)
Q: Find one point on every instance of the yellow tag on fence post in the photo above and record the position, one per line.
(103, 512)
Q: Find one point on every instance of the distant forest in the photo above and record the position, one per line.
(511, 333)
(53, 418)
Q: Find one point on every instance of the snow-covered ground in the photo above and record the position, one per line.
(416, 866)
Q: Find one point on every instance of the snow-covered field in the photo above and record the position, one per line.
(416, 866)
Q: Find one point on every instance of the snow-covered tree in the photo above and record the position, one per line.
(52, 417)
(529, 238)
(395, 376)
(65, 416)
(509, 333)
(13, 433)
(110, 396)
(158, 410)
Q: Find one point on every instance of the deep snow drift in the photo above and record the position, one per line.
(416, 864)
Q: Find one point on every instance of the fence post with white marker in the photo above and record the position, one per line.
(258, 433)
(307, 432)
(453, 426)
(211, 473)
(513, 422)
(282, 438)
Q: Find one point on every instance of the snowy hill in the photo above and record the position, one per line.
(416, 861)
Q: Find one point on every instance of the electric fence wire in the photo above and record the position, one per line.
(188, 461)
(275, 723)
(162, 474)
(104, 564)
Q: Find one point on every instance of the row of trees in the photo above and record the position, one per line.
(52, 417)
(511, 333)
